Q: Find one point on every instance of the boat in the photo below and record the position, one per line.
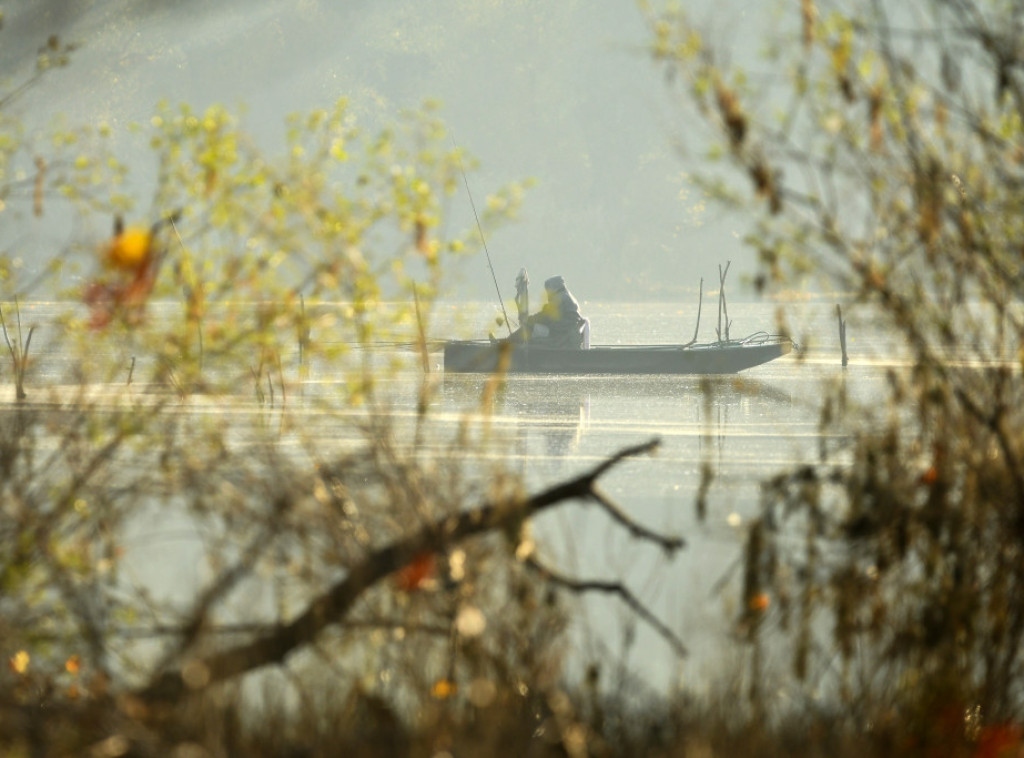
(523, 355)
(720, 357)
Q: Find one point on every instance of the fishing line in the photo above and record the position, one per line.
(458, 159)
(177, 234)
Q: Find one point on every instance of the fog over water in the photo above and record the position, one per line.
(561, 93)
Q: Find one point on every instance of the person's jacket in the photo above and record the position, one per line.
(560, 313)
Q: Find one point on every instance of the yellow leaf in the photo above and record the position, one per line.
(130, 249)
(19, 662)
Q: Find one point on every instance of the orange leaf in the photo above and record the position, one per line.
(759, 602)
(73, 664)
(443, 689)
(414, 575)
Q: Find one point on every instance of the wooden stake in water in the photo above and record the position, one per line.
(842, 333)
(422, 334)
(700, 303)
(303, 333)
(722, 308)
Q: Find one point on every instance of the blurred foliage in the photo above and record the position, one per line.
(359, 588)
(342, 217)
(880, 148)
(209, 513)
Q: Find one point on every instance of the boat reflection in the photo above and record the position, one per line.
(547, 418)
(550, 419)
(562, 396)
(560, 420)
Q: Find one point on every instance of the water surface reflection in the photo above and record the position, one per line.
(740, 429)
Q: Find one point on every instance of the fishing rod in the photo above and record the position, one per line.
(458, 159)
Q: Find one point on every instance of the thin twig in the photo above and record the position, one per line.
(225, 584)
(668, 544)
(7, 338)
(580, 587)
(280, 379)
(18, 351)
(23, 362)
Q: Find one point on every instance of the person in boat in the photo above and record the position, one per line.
(558, 323)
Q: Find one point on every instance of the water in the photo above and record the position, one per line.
(745, 428)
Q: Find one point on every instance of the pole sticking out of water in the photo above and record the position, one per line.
(483, 239)
(700, 303)
(303, 332)
(722, 307)
(421, 333)
(842, 333)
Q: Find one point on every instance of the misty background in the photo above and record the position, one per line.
(563, 93)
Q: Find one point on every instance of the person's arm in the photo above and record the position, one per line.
(547, 315)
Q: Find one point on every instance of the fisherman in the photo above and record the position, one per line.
(558, 323)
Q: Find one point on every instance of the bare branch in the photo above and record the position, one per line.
(580, 587)
(227, 581)
(669, 544)
(330, 607)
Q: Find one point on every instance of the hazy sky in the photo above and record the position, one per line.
(561, 92)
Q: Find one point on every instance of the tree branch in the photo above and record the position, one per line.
(580, 586)
(669, 544)
(330, 607)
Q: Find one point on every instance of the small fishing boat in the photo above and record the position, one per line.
(721, 357)
(523, 354)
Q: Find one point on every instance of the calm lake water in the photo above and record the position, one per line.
(747, 427)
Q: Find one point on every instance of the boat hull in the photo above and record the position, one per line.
(477, 356)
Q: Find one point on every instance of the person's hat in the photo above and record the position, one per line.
(554, 284)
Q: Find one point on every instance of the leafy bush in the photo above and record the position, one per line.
(883, 157)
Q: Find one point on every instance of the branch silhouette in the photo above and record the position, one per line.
(169, 685)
